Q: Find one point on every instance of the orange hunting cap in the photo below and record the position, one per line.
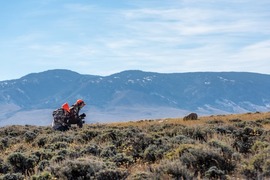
(80, 101)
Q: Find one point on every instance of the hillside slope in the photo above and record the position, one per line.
(213, 147)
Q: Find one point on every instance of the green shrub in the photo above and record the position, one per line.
(182, 139)
(137, 144)
(216, 121)
(153, 153)
(4, 143)
(258, 167)
(87, 135)
(176, 170)
(21, 163)
(111, 174)
(259, 146)
(235, 120)
(4, 168)
(91, 149)
(121, 159)
(43, 176)
(62, 138)
(249, 173)
(12, 176)
(43, 164)
(263, 121)
(141, 175)
(224, 129)
(29, 136)
(226, 150)
(257, 161)
(58, 158)
(201, 160)
(243, 140)
(77, 169)
(215, 173)
(197, 133)
(108, 151)
(41, 142)
(60, 145)
(43, 154)
(266, 169)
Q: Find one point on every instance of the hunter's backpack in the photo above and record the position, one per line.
(58, 113)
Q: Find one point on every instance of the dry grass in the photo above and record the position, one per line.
(144, 149)
(202, 120)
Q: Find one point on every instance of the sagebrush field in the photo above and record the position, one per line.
(214, 147)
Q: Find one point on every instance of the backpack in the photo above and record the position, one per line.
(58, 113)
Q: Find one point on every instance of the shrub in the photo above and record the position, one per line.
(235, 120)
(266, 169)
(20, 163)
(196, 133)
(43, 154)
(142, 175)
(226, 150)
(182, 139)
(138, 143)
(4, 143)
(225, 129)
(13, 176)
(43, 176)
(14, 131)
(108, 151)
(58, 158)
(61, 138)
(41, 141)
(244, 124)
(29, 136)
(43, 164)
(243, 140)
(77, 169)
(259, 146)
(111, 174)
(4, 168)
(216, 121)
(60, 145)
(153, 153)
(109, 136)
(249, 173)
(215, 173)
(170, 130)
(91, 149)
(201, 160)
(121, 159)
(263, 121)
(176, 170)
(87, 135)
(257, 162)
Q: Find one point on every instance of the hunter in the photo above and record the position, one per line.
(75, 116)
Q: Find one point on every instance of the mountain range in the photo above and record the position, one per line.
(132, 95)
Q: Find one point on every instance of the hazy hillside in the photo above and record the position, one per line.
(131, 95)
(213, 147)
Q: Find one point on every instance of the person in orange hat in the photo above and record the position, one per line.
(61, 118)
(75, 116)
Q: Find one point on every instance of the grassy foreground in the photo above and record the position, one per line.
(214, 147)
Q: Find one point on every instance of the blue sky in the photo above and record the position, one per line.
(106, 36)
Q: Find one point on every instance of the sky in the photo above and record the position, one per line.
(104, 37)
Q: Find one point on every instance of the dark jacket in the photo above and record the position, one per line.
(75, 117)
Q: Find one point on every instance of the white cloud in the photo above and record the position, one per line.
(163, 36)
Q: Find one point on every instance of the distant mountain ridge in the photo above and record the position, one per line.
(137, 94)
